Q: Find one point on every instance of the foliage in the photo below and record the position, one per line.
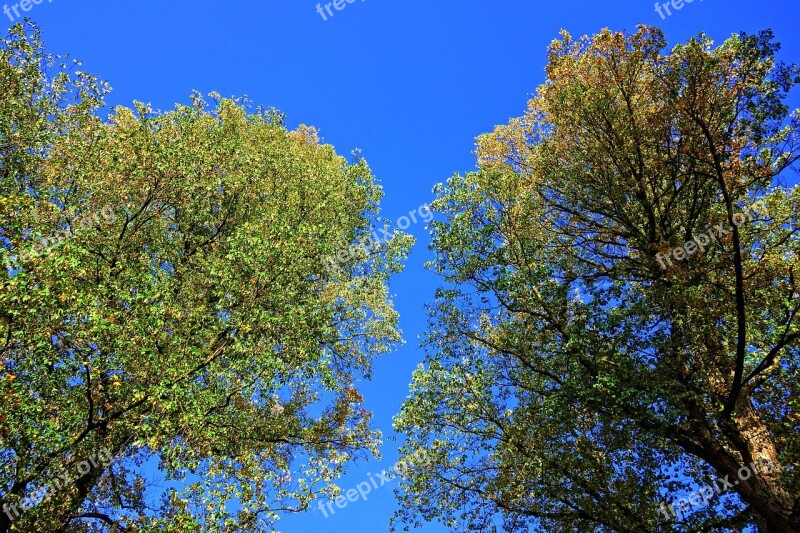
(197, 328)
(572, 383)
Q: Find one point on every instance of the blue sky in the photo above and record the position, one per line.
(410, 82)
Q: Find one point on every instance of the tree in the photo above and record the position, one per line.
(167, 300)
(619, 321)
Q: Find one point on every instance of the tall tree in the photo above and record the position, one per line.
(167, 299)
(619, 321)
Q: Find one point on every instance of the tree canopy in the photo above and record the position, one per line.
(590, 360)
(166, 300)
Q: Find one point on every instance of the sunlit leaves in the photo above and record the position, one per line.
(572, 383)
(198, 330)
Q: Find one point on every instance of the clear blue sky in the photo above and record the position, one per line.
(410, 82)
